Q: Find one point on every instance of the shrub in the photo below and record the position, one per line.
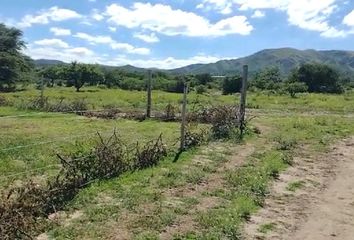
(295, 87)
(224, 121)
(194, 139)
(4, 101)
(201, 89)
(150, 154)
(23, 210)
(232, 84)
(319, 78)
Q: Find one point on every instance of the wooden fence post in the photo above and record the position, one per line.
(42, 93)
(183, 117)
(149, 89)
(243, 98)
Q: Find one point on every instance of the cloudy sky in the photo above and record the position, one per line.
(174, 33)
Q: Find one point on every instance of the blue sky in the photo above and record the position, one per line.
(169, 34)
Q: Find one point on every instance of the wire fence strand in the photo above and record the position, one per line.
(55, 114)
(64, 139)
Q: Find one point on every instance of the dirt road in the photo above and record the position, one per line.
(321, 209)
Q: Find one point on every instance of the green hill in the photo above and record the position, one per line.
(285, 58)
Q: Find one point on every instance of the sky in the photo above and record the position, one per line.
(173, 33)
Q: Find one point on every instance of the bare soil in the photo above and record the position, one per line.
(321, 209)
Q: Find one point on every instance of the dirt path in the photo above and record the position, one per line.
(322, 208)
(214, 181)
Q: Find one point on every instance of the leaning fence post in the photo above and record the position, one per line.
(183, 116)
(243, 98)
(149, 89)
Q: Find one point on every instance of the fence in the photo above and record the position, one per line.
(148, 114)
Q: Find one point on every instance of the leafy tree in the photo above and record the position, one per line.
(176, 85)
(52, 74)
(113, 78)
(319, 78)
(232, 84)
(268, 79)
(13, 64)
(200, 89)
(295, 87)
(203, 79)
(78, 74)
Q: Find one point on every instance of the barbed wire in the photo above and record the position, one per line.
(61, 113)
(43, 168)
(63, 139)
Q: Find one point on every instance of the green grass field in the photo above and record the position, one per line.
(207, 194)
(97, 98)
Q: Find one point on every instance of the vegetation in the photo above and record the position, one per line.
(286, 59)
(318, 78)
(60, 180)
(14, 66)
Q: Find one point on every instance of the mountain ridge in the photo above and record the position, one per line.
(284, 58)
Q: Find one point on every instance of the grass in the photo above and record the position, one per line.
(267, 227)
(294, 186)
(143, 204)
(41, 137)
(98, 98)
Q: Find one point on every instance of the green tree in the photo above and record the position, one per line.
(319, 78)
(113, 78)
(267, 79)
(203, 79)
(52, 74)
(14, 66)
(232, 84)
(77, 74)
(295, 87)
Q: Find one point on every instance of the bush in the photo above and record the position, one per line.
(232, 85)
(295, 87)
(4, 101)
(224, 121)
(24, 210)
(150, 154)
(319, 78)
(201, 89)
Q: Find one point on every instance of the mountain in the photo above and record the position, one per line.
(47, 62)
(284, 58)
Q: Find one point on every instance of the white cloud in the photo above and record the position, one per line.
(112, 43)
(258, 14)
(311, 15)
(96, 15)
(112, 29)
(67, 55)
(221, 6)
(60, 31)
(349, 19)
(165, 20)
(45, 16)
(94, 39)
(152, 38)
(130, 48)
(85, 55)
(334, 33)
(58, 43)
(167, 63)
(80, 51)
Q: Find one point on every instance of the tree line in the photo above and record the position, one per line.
(17, 69)
(308, 77)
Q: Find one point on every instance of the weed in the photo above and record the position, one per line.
(266, 228)
(293, 186)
